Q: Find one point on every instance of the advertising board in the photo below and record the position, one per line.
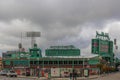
(55, 72)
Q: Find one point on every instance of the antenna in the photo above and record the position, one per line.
(33, 35)
(21, 37)
(20, 44)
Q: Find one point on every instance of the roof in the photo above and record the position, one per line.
(83, 56)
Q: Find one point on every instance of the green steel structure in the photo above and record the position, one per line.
(103, 46)
(60, 60)
(33, 63)
(35, 52)
(62, 51)
(50, 63)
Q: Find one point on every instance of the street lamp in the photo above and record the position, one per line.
(108, 67)
(38, 67)
(83, 61)
(83, 64)
(100, 58)
(88, 66)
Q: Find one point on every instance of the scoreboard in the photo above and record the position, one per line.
(102, 46)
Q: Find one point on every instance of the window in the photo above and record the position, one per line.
(60, 62)
(65, 62)
(35, 62)
(50, 62)
(45, 62)
(40, 62)
(80, 62)
(37, 55)
(70, 62)
(75, 62)
(55, 62)
(31, 62)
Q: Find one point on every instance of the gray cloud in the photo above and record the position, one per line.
(69, 12)
(59, 21)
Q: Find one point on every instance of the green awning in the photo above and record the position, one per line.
(93, 62)
(105, 55)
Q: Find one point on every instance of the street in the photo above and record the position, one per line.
(111, 76)
(14, 78)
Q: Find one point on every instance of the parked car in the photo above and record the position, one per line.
(11, 74)
(3, 72)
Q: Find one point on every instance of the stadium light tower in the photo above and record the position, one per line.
(33, 35)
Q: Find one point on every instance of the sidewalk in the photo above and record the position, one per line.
(78, 78)
(43, 78)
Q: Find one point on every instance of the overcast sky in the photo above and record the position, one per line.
(61, 22)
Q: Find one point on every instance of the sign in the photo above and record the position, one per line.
(21, 63)
(104, 46)
(63, 47)
(65, 72)
(7, 62)
(102, 35)
(55, 72)
(24, 55)
(95, 45)
(86, 72)
(20, 67)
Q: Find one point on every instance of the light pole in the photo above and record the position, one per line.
(38, 67)
(39, 63)
(83, 61)
(83, 64)
(108, 66)
(100, 58)
(28, 57)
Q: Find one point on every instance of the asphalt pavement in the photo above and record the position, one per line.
(111, 76)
